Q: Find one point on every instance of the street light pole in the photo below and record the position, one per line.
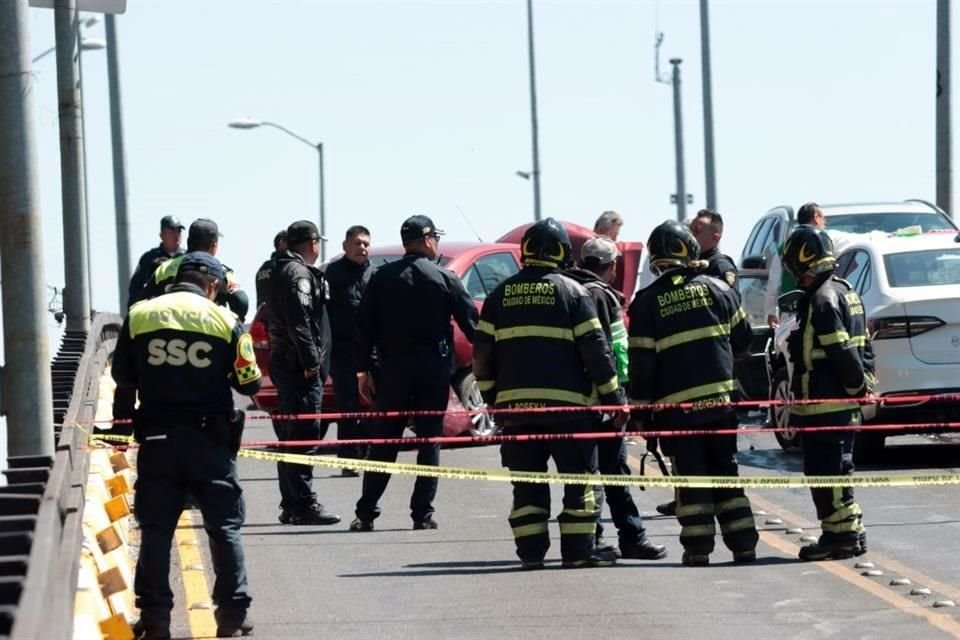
(119, 164)
(533, 115)
(678, 139)
(944, 144)
(709, 167)
(323, 216)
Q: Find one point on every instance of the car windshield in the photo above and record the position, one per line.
(888, 222)
(752, 289)
(393, 257)
(930, 268)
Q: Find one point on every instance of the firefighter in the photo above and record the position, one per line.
(299, 363)
(833, 358)
(204, 235)
(540, 344)
(184, 353)
(265, 271)
(684, 331)
(598, 257)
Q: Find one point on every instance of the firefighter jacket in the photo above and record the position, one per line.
(146, 267)
(347, 281)
(540, 344)
(231, 294)
(299, 328)
(184, 353)
(830, 350)
(720, 265)
(609, 303)
(685, 329)
(407, 307)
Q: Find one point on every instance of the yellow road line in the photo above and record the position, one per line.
(196, 591)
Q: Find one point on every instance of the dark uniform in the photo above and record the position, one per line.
(540, 344)
(299, 341)
(265, 273)
(184, 353)
(231, 294)
(720, 265)
(150, 260)
(405, 315)
(833, 358)
(684, 331)
(347, 281)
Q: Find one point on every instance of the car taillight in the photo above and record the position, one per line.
(258, 331)
(901, 326)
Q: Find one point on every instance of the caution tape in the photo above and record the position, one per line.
(534, 477)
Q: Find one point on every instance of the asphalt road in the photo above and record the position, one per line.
(462, 580)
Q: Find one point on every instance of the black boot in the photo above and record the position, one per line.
(643, 550)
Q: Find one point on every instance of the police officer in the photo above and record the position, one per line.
(833, 358)
(265, 271)
(347, 278)
(598, 257)
(405, 315)
(299, 363)
(707, 228)
(204, 235)
(184, 353)
(540, 344)
(170, 233)
(684, 331)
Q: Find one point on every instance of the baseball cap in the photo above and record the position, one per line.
(302, 231)
(201, 261)
(170, 222)
(280, 237)
(203, 231)
(603, 249)
(419, 227)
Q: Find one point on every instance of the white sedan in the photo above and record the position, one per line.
(910, 288)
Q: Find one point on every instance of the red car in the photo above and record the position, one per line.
(481, 267)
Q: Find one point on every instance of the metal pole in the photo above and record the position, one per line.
(28, 398)
(76, 294)
(323, 215)
(533, 114)
(119, 164)
(83, 146)
(709, 167)
(944, 128)
(678, 137)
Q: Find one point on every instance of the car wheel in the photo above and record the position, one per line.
(483, 424)
(780, 413)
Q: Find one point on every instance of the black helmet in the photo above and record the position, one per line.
(546, 244)
(672, 245)
(808, 250)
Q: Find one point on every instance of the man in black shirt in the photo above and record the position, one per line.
(171, 230)
(262, 278)
(347, 278)
(405, 314)
(707, 228)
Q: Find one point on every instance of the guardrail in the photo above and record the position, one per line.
(41, 509)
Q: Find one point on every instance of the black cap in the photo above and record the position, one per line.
(170, 222)
(302, 231)
(201, 261)
(203, 231)
(280, 237)
(419, 227)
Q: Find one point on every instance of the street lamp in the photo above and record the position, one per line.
(86, 44)
(250, 123)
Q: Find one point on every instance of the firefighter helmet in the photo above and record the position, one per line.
(546, 243)
(808, 250)
(672, 245)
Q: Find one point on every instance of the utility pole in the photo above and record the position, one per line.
(76, 293)
(119, 163)
(944, 127)
(533, 115)
(323, 212)
(678, 139)
(709, 167)
(26, 396)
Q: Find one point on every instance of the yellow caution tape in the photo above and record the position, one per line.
(535, 477)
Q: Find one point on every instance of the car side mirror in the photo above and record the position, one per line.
(788, 302)
(755, 262)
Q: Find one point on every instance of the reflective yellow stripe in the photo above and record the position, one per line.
(698, 530)
(617, 330)
(733, 503)
(715, 331)
(687, 510)
(486, 327)
(545, 394)
(738, 316)
(528, 510)
(698, 392)
(859, 341)
(535, 529)
(532, 331)
(818, 409)
(738, 525)
(182, 311)
(837, 337)
(818, 354)
(854, 391)
(486, 385)
(851, 526)
(587, 326)
(844, 512)
(609, 387)
(642, 343)
(578, 528)
(167, 270)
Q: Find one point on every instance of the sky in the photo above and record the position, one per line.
(423, 107)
